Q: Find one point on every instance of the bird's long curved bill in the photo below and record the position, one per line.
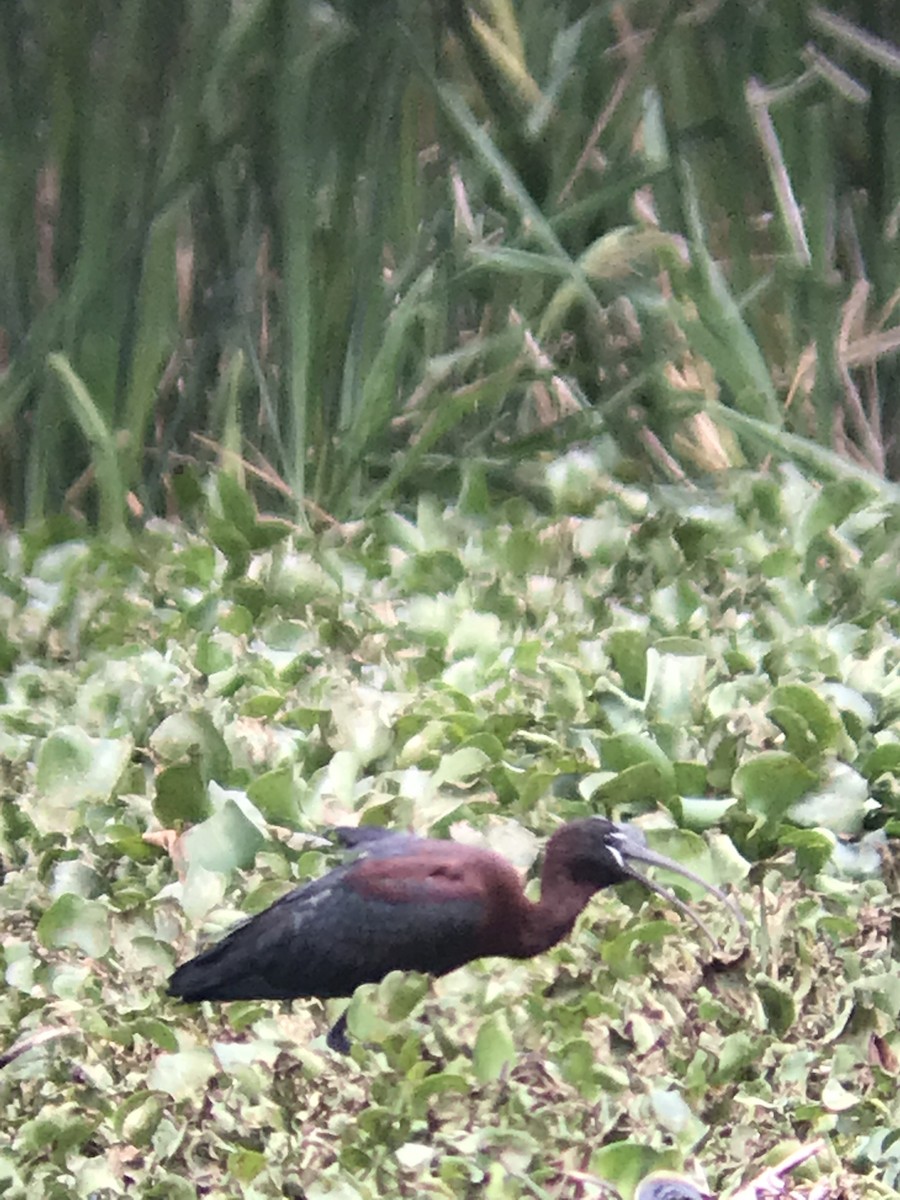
(635, 849)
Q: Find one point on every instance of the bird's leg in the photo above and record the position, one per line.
(337, 1038)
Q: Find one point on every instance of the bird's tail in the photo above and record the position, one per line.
(224, 972)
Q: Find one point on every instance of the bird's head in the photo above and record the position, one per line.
(602, 853)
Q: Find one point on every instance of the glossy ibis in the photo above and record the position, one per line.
(417, 904)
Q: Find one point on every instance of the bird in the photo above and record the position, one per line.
(412, 903)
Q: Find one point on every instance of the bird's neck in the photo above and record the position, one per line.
(550, 922)
(552, 917)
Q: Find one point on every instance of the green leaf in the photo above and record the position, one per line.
(627, 649)
(237, 621)
(100, 437)
(262, 705)
(494, 1051)
(576, 1060)
(157, 1032)
(798, 738)
(460, 766)
(625, 1163)
(441, 1083)
(488, 744)
(233, 544)
(187, 488)
(779, 564)
(619, 951)
(646, 782)
(192, 734)
(522, 552)
(778, 1005)
(211, 656)
(738, 1054)
(268, 532)
(840, 804)
(295, 579)
(474, 496)
(184, 1074)
(73, 921)
(275, 795)
(228, 840)
(883, 760)
(61, 1127)
(836, 1098)
(698, 814)
(244, 1165)
(201, 891)
(813, 848)
(628, 749)
(180, 795)
(74, 769)
(690, 778)
(167, 1185)
(722, 756)
(238, 508)
(400, 992)
(674, 1114)
(836, 501)
(364, 1017)
(771, 782)
(676, 680)
(884, 988)
(817, 713)
(432, 571)
(138, 1116)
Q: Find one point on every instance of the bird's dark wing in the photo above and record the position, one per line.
(377, 914)
(374, 839)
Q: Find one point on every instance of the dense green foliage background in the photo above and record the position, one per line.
(408, 338)
(179, 728)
